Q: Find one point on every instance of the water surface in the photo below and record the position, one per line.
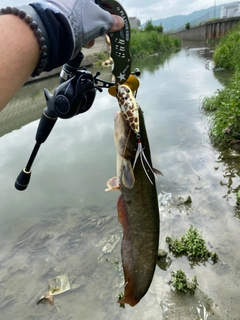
(64, 223)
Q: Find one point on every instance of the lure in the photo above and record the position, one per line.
(129, 107)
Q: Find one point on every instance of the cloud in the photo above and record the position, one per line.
(152, 9)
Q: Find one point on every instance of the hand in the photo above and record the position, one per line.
(87, 20)
(118, 24)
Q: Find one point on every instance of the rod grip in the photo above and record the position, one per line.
(47, 122)
(23, 180)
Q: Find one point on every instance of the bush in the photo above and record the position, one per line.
(146, 43)
(226, 54)
(150, 27)
(225, 126)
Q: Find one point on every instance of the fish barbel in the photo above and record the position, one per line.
(138, 210)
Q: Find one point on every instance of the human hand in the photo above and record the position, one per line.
(86, 19)
(118, 24)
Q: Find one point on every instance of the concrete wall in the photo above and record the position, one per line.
(210, 30)
(195, 33)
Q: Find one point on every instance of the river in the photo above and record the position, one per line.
(64, 222)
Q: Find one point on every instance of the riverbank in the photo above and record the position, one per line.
(223, 106)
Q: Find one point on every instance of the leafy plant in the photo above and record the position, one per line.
(226, 54)
(192, 245)
(187, 26)
(146, 43)
(150, 27)
(225, 127)
(182, 284)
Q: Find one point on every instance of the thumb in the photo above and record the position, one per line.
(118, 23)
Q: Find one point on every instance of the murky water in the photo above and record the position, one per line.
(65, 223)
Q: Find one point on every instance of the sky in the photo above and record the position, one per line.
(146, 10)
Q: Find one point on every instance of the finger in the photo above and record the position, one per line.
(118, 23)
(89, 44)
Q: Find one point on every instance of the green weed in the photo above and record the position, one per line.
(182, 284)
(192, 245)
(225, 125)
(223, 107)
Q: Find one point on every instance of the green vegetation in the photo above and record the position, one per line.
(225, 127)
(226, 54)
(224, 107)
(151, 41)
(182, 284)
(192, 245)
(121, 296)
(187, 26)
(238, 198)
(150, 27)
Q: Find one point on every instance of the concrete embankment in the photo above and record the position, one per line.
(209, 30)
(90, 56)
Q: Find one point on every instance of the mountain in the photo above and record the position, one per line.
(193, 18)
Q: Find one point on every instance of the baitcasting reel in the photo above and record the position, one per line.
(74, 95)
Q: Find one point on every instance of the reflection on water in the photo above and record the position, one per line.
(65, 223)
(26, 107)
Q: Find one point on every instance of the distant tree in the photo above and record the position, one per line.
(150, 27)
(159, 29)
(187, 26)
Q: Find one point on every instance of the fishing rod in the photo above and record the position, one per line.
(75, 94)
(77, 90)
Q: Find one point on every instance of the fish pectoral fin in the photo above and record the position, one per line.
(128, 178)
(113, 184)
(157, 172)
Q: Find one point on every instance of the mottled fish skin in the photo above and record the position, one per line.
(138, 212)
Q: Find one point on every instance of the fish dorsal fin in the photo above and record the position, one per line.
(113, 184)
(128, 178)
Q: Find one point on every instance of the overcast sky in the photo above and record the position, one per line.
(150, 9)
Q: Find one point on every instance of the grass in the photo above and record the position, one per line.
(226, 54)
(144, 43)
(224, 111)
(223, 108)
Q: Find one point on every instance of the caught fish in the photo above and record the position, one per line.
(137, 208)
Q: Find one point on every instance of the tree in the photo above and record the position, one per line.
(150, 27)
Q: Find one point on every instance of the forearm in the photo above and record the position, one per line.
(19, 56)
(41, 37)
